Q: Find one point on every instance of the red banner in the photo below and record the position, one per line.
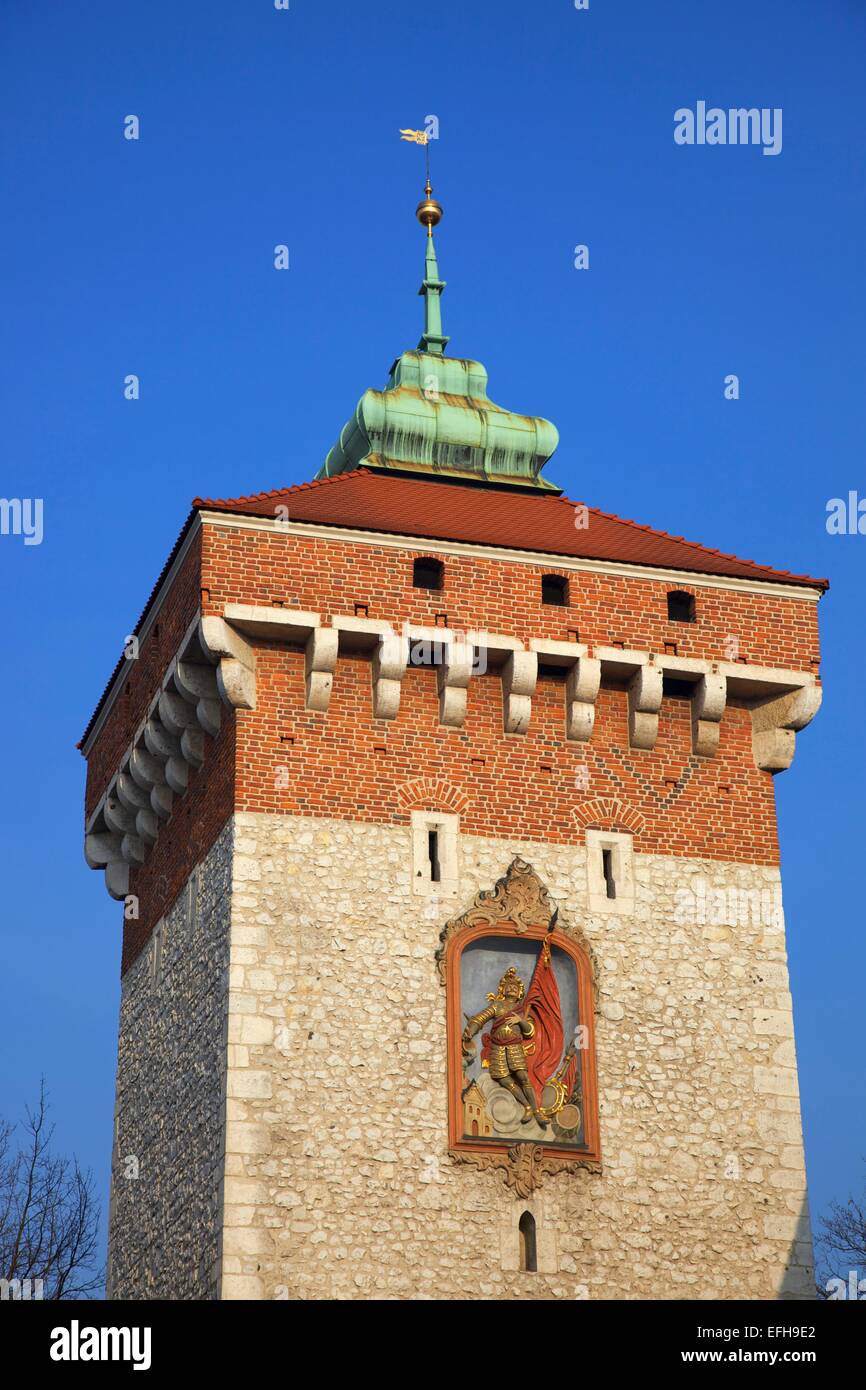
(542, 1001)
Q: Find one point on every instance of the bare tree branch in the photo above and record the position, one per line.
(49, 1216)
(842, 1239)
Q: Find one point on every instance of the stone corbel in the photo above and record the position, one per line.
(198, 685)
(775, 725)
(454, 660)
(148, 773)
(708, 706)
(234, 659)
(644, 703)
(117, 880)
(320, 663)
(581, 692)
(104, 851)
(137, 802)
(389, 652)
(166, 748)
(519, 678)
(295, 627)
(170, 741)
(388, 669)
(452, 680)
(181, 719)
(582, 683)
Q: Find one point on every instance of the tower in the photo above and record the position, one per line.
(441, 812)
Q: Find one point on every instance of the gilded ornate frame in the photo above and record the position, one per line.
(518, 906)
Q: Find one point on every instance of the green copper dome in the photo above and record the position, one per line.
(434, 417)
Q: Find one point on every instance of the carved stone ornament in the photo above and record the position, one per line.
(489, 1095)
(519, 898)
(524, 1166)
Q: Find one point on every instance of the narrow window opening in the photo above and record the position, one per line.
(528, 1256)
(681, 607)
(554, 589)
(607, 868)
(427, 573)
(433, 853)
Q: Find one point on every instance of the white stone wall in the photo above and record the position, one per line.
(167, 1164)
(338, 1182)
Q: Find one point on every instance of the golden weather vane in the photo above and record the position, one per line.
(428, 211)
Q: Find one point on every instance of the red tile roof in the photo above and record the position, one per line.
(368, 500)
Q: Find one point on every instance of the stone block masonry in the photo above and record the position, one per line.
(338, 1182)
(167, 1164)
(282, 1073)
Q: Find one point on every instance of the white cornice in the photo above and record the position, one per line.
(396, 541)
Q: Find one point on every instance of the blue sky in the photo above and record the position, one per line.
(155, 257)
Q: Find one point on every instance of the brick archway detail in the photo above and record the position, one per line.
(433, 794)
(606, 813)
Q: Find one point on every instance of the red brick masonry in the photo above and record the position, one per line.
(533, 786)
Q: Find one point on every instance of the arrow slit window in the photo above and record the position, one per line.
(434, 853)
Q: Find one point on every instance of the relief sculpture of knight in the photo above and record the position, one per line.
(506, 1057)
(526, 1083)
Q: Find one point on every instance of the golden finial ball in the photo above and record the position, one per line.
(428, 211)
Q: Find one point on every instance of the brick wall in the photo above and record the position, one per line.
(347, 764)
(144, 675)
(330, 576)
(282, 758)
